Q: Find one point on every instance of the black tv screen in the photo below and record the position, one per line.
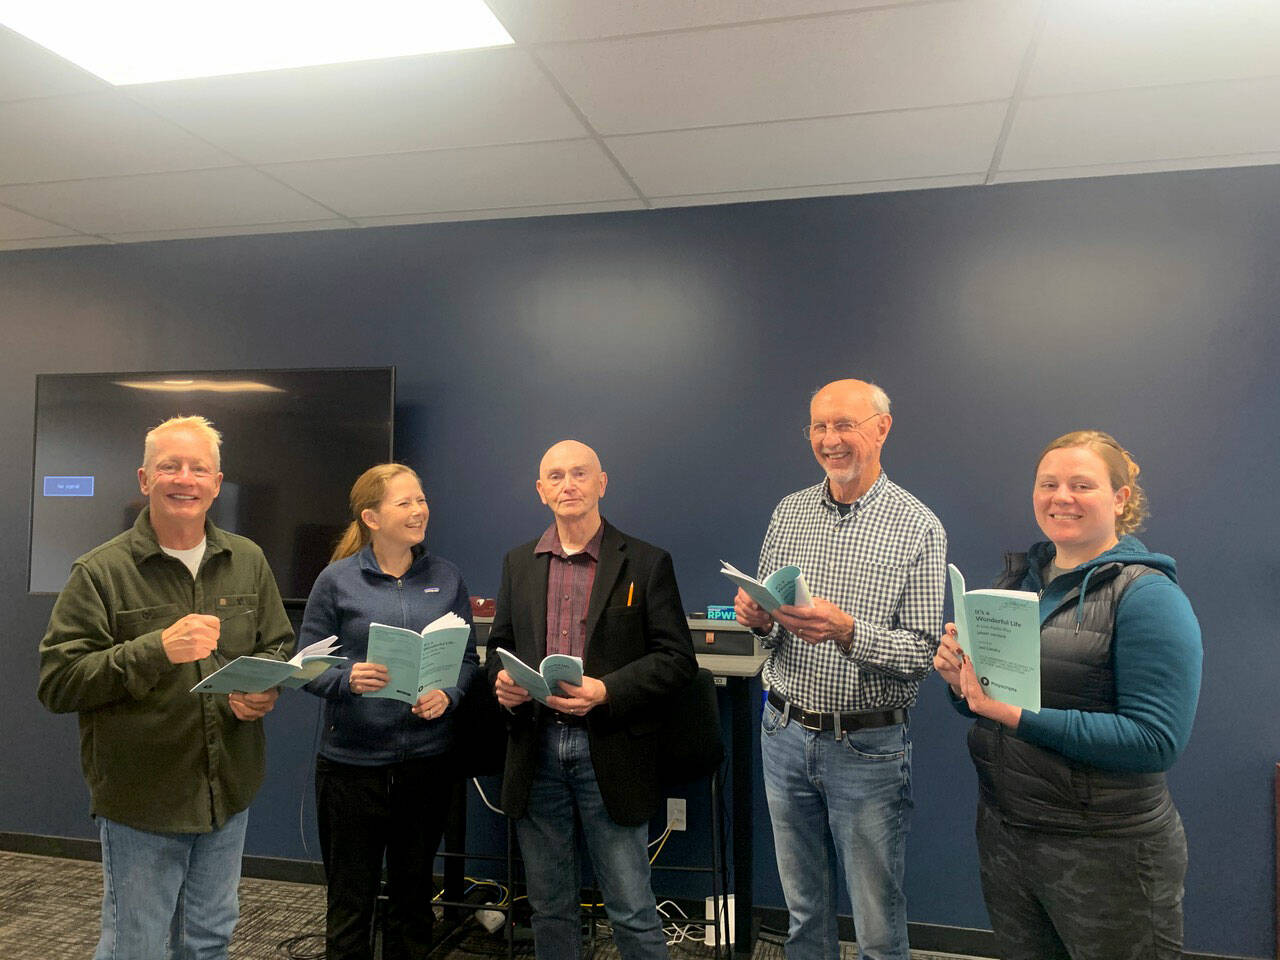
(293, 441)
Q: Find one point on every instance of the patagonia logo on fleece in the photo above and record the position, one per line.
(430, 589)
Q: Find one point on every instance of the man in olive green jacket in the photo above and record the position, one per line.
(142, 619)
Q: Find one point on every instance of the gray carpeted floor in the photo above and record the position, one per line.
(49, 911)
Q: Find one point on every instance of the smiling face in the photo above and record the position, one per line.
(399, 522)
(850, 456)
(1075, 504)
(181, 481)
(571, 482)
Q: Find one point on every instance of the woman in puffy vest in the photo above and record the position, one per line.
(1081, 849)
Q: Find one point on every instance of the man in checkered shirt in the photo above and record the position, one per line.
(841, 674)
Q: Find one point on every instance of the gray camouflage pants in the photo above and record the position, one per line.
(1056, 897)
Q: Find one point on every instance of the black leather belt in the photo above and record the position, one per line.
(812, 720)
(567, 719)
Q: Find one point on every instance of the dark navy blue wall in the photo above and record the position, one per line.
(683, 344)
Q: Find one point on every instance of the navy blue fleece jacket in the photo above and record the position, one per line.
(347, 596)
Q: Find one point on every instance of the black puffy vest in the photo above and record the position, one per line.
(1034, 786)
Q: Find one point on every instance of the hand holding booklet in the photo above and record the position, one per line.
(1000, 631)
(545, 681)
(418, 662)
(255, 674)
(784, 586)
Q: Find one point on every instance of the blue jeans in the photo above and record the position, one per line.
(169, 895)
(564, 782)
(847, 800)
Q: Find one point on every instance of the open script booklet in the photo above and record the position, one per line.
(1000, 631)
(784, 586)
(255, 674)
(545, 681)
(418, 662)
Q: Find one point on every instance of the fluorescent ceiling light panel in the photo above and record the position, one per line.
(145, 41)
(200, 386)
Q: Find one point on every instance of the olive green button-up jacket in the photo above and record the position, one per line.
(156, 756)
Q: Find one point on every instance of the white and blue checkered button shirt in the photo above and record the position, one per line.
(884, 564)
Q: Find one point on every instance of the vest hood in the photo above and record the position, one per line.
(1129, 550)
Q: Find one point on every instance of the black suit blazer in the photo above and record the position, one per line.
(642, 652)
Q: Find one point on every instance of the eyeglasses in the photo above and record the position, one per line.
(167, 468)
(842, 427)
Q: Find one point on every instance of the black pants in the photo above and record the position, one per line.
(365, 812)
(1054, 897)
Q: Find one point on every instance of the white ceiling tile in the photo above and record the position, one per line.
(359, 109)
(1153, 123)
(231, 230)
(825, 190)
(1140, 166)
(573, 171)
(1101, 44)
(16, 225)
(92, 135)
(553, 20)
(29, 70)
(707, 102)
(508, 213)
(164, 201)
(77, 240)
(883, 59)
(840, 150)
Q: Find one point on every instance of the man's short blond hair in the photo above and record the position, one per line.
(198, 425)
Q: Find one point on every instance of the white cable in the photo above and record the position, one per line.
(308, 777)
(485, 799)
(662, 836)
(675, 932)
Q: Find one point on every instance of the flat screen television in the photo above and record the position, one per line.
(293, 441)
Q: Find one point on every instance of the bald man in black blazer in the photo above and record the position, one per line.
(593, 751)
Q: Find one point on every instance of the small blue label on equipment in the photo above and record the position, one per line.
(721, 613)
(68, 486)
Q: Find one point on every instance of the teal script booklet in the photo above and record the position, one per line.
(1000, 631)
(545, 681)
(784, 586)
(418, 662)
(255, 674)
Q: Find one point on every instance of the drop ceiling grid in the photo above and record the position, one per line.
(612, 105)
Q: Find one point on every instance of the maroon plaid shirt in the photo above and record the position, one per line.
(569, 581)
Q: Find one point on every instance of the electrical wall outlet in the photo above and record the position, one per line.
(676, 817)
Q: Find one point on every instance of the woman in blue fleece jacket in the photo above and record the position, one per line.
(385, 771)
(1082, 851)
